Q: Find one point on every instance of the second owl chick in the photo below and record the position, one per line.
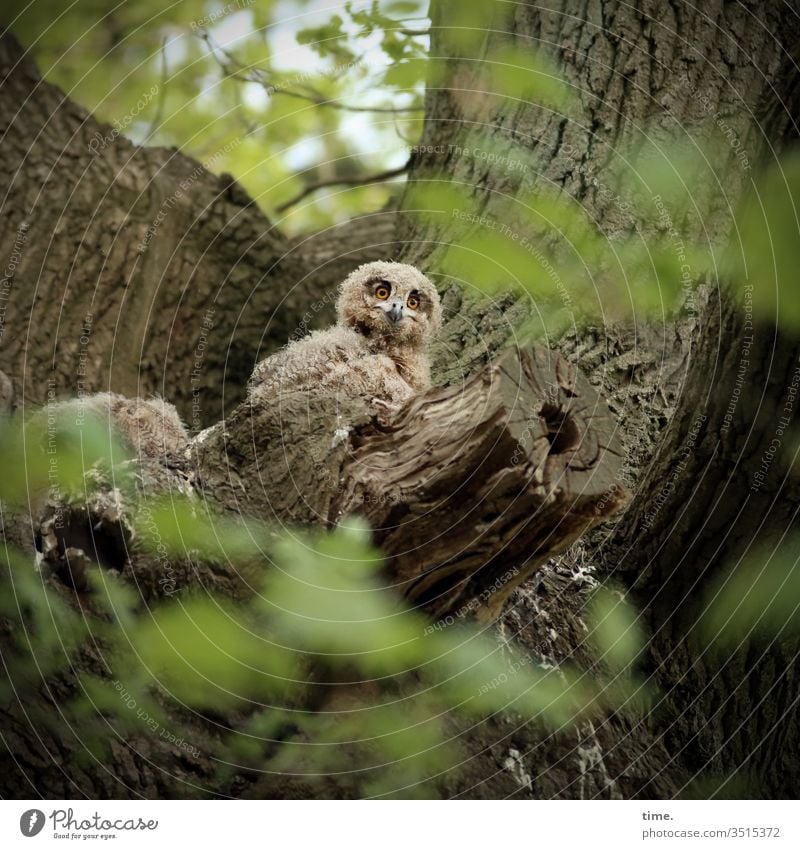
(387, 313)
(149, 427)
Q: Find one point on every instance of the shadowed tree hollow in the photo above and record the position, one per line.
(475, 489)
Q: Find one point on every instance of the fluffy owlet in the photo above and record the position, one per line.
(387, 313)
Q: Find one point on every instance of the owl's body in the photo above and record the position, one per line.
(337, 358)
(149, 427)
(387, 313)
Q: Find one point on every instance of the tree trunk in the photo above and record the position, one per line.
(136, 270)
(214, 246)
(670, 69)
(728, 712)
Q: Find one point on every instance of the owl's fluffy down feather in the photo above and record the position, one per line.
(387, 313)
(149, 426)
(334, 359)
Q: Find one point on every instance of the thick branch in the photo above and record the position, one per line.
(469, 488)
(137, 269)
(472, 487)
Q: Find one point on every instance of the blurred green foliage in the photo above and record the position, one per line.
(544, 245)
(762, 251)
(325, 670)
(757, 597)
(323, 658)
(520, 73)
(52, 450)
(182, 525)
(616, 631)
(238, 86)
(208, 655)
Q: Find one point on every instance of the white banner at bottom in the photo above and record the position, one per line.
(352, 825)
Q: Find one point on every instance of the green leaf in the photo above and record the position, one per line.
(324, 594)
(614, 629)
(525, 74)
(405, 8)
(762, 251)
(328, 40)
(759, 595)
(408, 74)
(465, 25)
(185, 527)
(207, 654)
(482, 677)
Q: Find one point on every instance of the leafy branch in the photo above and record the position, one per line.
(233, 69)
(361, 180)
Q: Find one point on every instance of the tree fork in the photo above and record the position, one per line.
(162, 277)
(472, 487)
(468, 488)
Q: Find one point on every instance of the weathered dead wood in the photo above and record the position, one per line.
(472, 487)
(469, 488)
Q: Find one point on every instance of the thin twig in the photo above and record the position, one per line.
(336, 104)
(162, 96)
(256, 75)
(342, 181)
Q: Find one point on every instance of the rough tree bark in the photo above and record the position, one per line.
(623, 61)
(140, 271)
(676, 70)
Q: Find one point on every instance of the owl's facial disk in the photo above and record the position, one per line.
(397, 311)
(395, 306)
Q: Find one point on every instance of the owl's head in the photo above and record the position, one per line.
(390, 302)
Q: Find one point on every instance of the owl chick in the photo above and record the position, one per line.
(387, 313)
(150, 427)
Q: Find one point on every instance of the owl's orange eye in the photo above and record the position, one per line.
(382, 292)
(413, 302)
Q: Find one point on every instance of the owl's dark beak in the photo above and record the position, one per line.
(395, 313)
